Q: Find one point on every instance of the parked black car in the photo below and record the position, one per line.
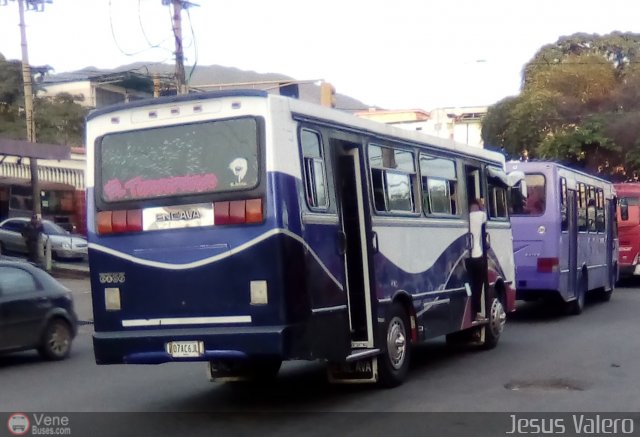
(36, 311)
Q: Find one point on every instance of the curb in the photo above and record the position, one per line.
(58, 272)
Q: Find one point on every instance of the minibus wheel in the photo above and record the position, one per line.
(605, 296)
(394, 362)
(576, 306)
(497, 320)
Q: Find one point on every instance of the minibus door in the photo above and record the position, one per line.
(572, 215)
(354, 223)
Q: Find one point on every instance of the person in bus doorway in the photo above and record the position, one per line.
(31, 234)
(476, 262)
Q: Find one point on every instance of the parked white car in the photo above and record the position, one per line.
(64, 245)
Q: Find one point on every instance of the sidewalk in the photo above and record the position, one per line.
(60, 268)
(70, 269)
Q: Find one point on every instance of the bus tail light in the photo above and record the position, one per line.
(548, 265)
(225, 213)
(254, 211)
(115, 222)
(238, 212)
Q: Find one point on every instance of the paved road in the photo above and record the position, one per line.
(545, 362)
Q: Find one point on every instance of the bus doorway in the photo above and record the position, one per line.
(353, 226)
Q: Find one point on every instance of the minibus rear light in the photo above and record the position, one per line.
(237, 212)
(117, 222)
(254, 211)
(134, 220)
(548, 265)
(103, 222)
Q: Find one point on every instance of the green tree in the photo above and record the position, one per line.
(59, 119)
(579, 104)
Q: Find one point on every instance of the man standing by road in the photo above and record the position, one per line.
(31, 235)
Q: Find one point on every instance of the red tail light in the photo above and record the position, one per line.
(548, 265)
(238, 211)
(115, 222)
(225, 213)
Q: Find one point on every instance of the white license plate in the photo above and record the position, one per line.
(185, 349)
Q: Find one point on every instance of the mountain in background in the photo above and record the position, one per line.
(209, 75)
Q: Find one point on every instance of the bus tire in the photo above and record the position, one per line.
(493, 330)
(576, 306)
(264, 369)
(393, 364)
(605, 295)
(461, 338)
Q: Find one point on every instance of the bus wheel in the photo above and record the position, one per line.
(497, 320)
(605, 295)
(264, 369)
(394, 363)
(576, 306)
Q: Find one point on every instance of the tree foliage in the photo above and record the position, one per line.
(59, 119)
(579, 104)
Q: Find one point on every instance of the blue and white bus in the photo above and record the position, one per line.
(241, 229)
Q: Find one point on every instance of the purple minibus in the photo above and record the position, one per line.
(564, 234)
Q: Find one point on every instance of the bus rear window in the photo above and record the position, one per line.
(209, 157)
(534, 203)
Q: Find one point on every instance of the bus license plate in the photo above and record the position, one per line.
(185, 349)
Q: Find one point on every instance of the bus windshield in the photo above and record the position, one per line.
(534, 202)
(212, 156)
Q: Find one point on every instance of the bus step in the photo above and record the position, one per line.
(359, 354)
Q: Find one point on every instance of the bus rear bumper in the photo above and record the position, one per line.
(627, 270)
(150, 346)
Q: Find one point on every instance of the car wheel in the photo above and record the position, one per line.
(56, 341)
(394, 362)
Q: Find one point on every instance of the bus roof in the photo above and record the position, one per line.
(625, 188)
(303, 109)
(572, 175)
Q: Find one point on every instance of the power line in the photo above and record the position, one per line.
(151, 45)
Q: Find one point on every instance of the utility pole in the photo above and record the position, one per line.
(37, 5)
(178, 6)
(181, 85)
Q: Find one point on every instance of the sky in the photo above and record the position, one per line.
(401, 54)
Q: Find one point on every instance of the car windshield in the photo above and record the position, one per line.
(51, 228)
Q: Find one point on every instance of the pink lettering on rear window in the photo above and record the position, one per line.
(139, 188)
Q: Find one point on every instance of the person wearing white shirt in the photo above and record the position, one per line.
(476, 265)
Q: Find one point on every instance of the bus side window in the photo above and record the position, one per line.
(600, 215)
(497, 205)
(392, 179)
(624, 209)
(582, 207)
(314, 175)
(439, 185)
(591, 209)
(564, 224)
(497, 202)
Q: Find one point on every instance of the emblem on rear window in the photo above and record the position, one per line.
(239, 168)
(112, 278)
